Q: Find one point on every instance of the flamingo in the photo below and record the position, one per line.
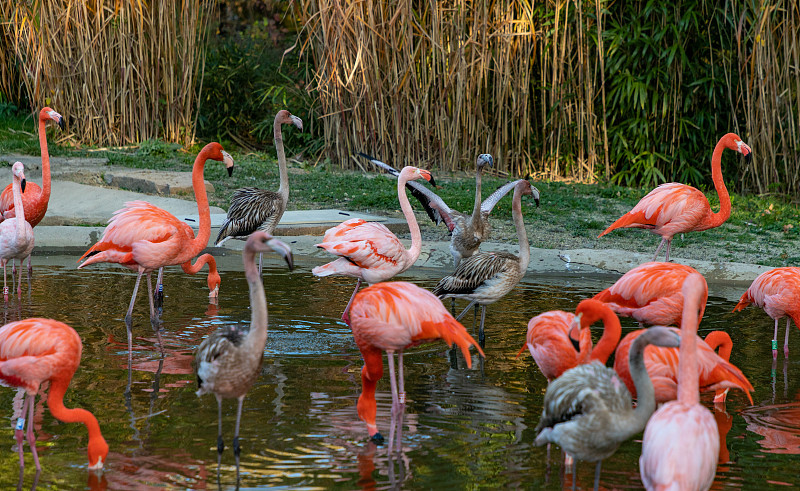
(35, 201)
(681, 441)
(486, 277)
(391, 317)
(552, 348)
(715, 372)
(587, 410)
(16, 234)
(468, 231)
(34, 351)
(258, 209)
(777, 291)
(144, 238)
(674, 208)
(651, 294)
(229, 360)
(368, 250)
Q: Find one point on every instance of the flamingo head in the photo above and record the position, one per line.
(259, 242)
(411, 173)
(98, 453)
(524, 188)
(733, 142)
(285, 117)
(484, 159)
(214, 281)
(18, 171)
(590, 311)
(214, 151)
(47, 113)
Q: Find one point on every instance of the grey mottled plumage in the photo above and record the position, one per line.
(588, 410)
(257, 209)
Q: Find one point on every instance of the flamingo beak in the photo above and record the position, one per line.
(535, 194)
(745, 150)
(297, 122)
(284, 250)
(22, 185)
(228, 161)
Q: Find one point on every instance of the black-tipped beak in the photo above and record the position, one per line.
(749, 157)
(290, 261)
(432, 181)
(62, 124)
(377, 438)
(22, 185)
(230, 171)
(536, 200)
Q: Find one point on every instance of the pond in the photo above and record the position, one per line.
(463, 427)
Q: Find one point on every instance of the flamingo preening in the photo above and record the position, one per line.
(588, 411)
(486, 277)
(258, 209)
(681, 441)
(34, 351)
(777, 291)
(16, 233)
(229, 360)
(144, 238)
(674, 208)
(392, 317)
(36, 199)
(651, 294)
(368, 250)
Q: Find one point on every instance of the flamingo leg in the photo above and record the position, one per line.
(786, 340)
(30, 267)
(400, 381)
(346, 313)
(775, 341)
(19, 284)
(481, 334)
(19, 434)
(220, 442)
(463, 312)
(31, 436)
(128, 316)
(236, 448)
(158, 300)
(393, 384)
(661, 245)
(154, 320)
(5, 288)
(669, 244)
(597, 475)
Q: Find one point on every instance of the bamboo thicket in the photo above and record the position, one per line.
(121, 71)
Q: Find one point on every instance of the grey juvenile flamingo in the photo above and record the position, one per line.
(229, 360)
(486, 277)
(587, 410)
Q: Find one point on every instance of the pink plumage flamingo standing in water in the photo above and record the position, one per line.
(681, 441)
(777, 291)
(368, 250)
(33, 351)
(144, 238)
(16, 234)
(392, 317)
(674, 208)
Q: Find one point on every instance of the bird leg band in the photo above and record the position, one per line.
(20, 424)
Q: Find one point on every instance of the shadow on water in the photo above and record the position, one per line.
(461, 426)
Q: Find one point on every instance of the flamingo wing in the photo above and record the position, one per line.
(777, 291)
(34, 350)
(489, 203)
(31, 202)
(474, 272)
(549, 343)
(251, 209)
(669, 209)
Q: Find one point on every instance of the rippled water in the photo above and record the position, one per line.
(300, 428)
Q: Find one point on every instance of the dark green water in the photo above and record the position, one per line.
(463, 428)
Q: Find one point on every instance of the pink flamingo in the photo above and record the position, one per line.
(651, 294)
(392, 317)
(144, 238)
(34, 351)
(550, 343)
(674, 208)
(777, 291)
(35, 201)
(16, 234)
(368, 250)
(680, 447)
(715, 372)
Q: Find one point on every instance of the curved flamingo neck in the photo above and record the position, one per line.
(612, 331)
(716, 219)
(257, 337)
(283, 190)
(476, 210)
(199, 186)
(55, 401)
(45, 196)
(522, 235)
(16, 191)
(408, 212)
(190, 268)
(721, 340)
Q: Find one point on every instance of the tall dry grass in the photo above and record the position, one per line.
(122, 71)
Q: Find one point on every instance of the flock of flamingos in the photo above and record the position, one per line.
(588, 409)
